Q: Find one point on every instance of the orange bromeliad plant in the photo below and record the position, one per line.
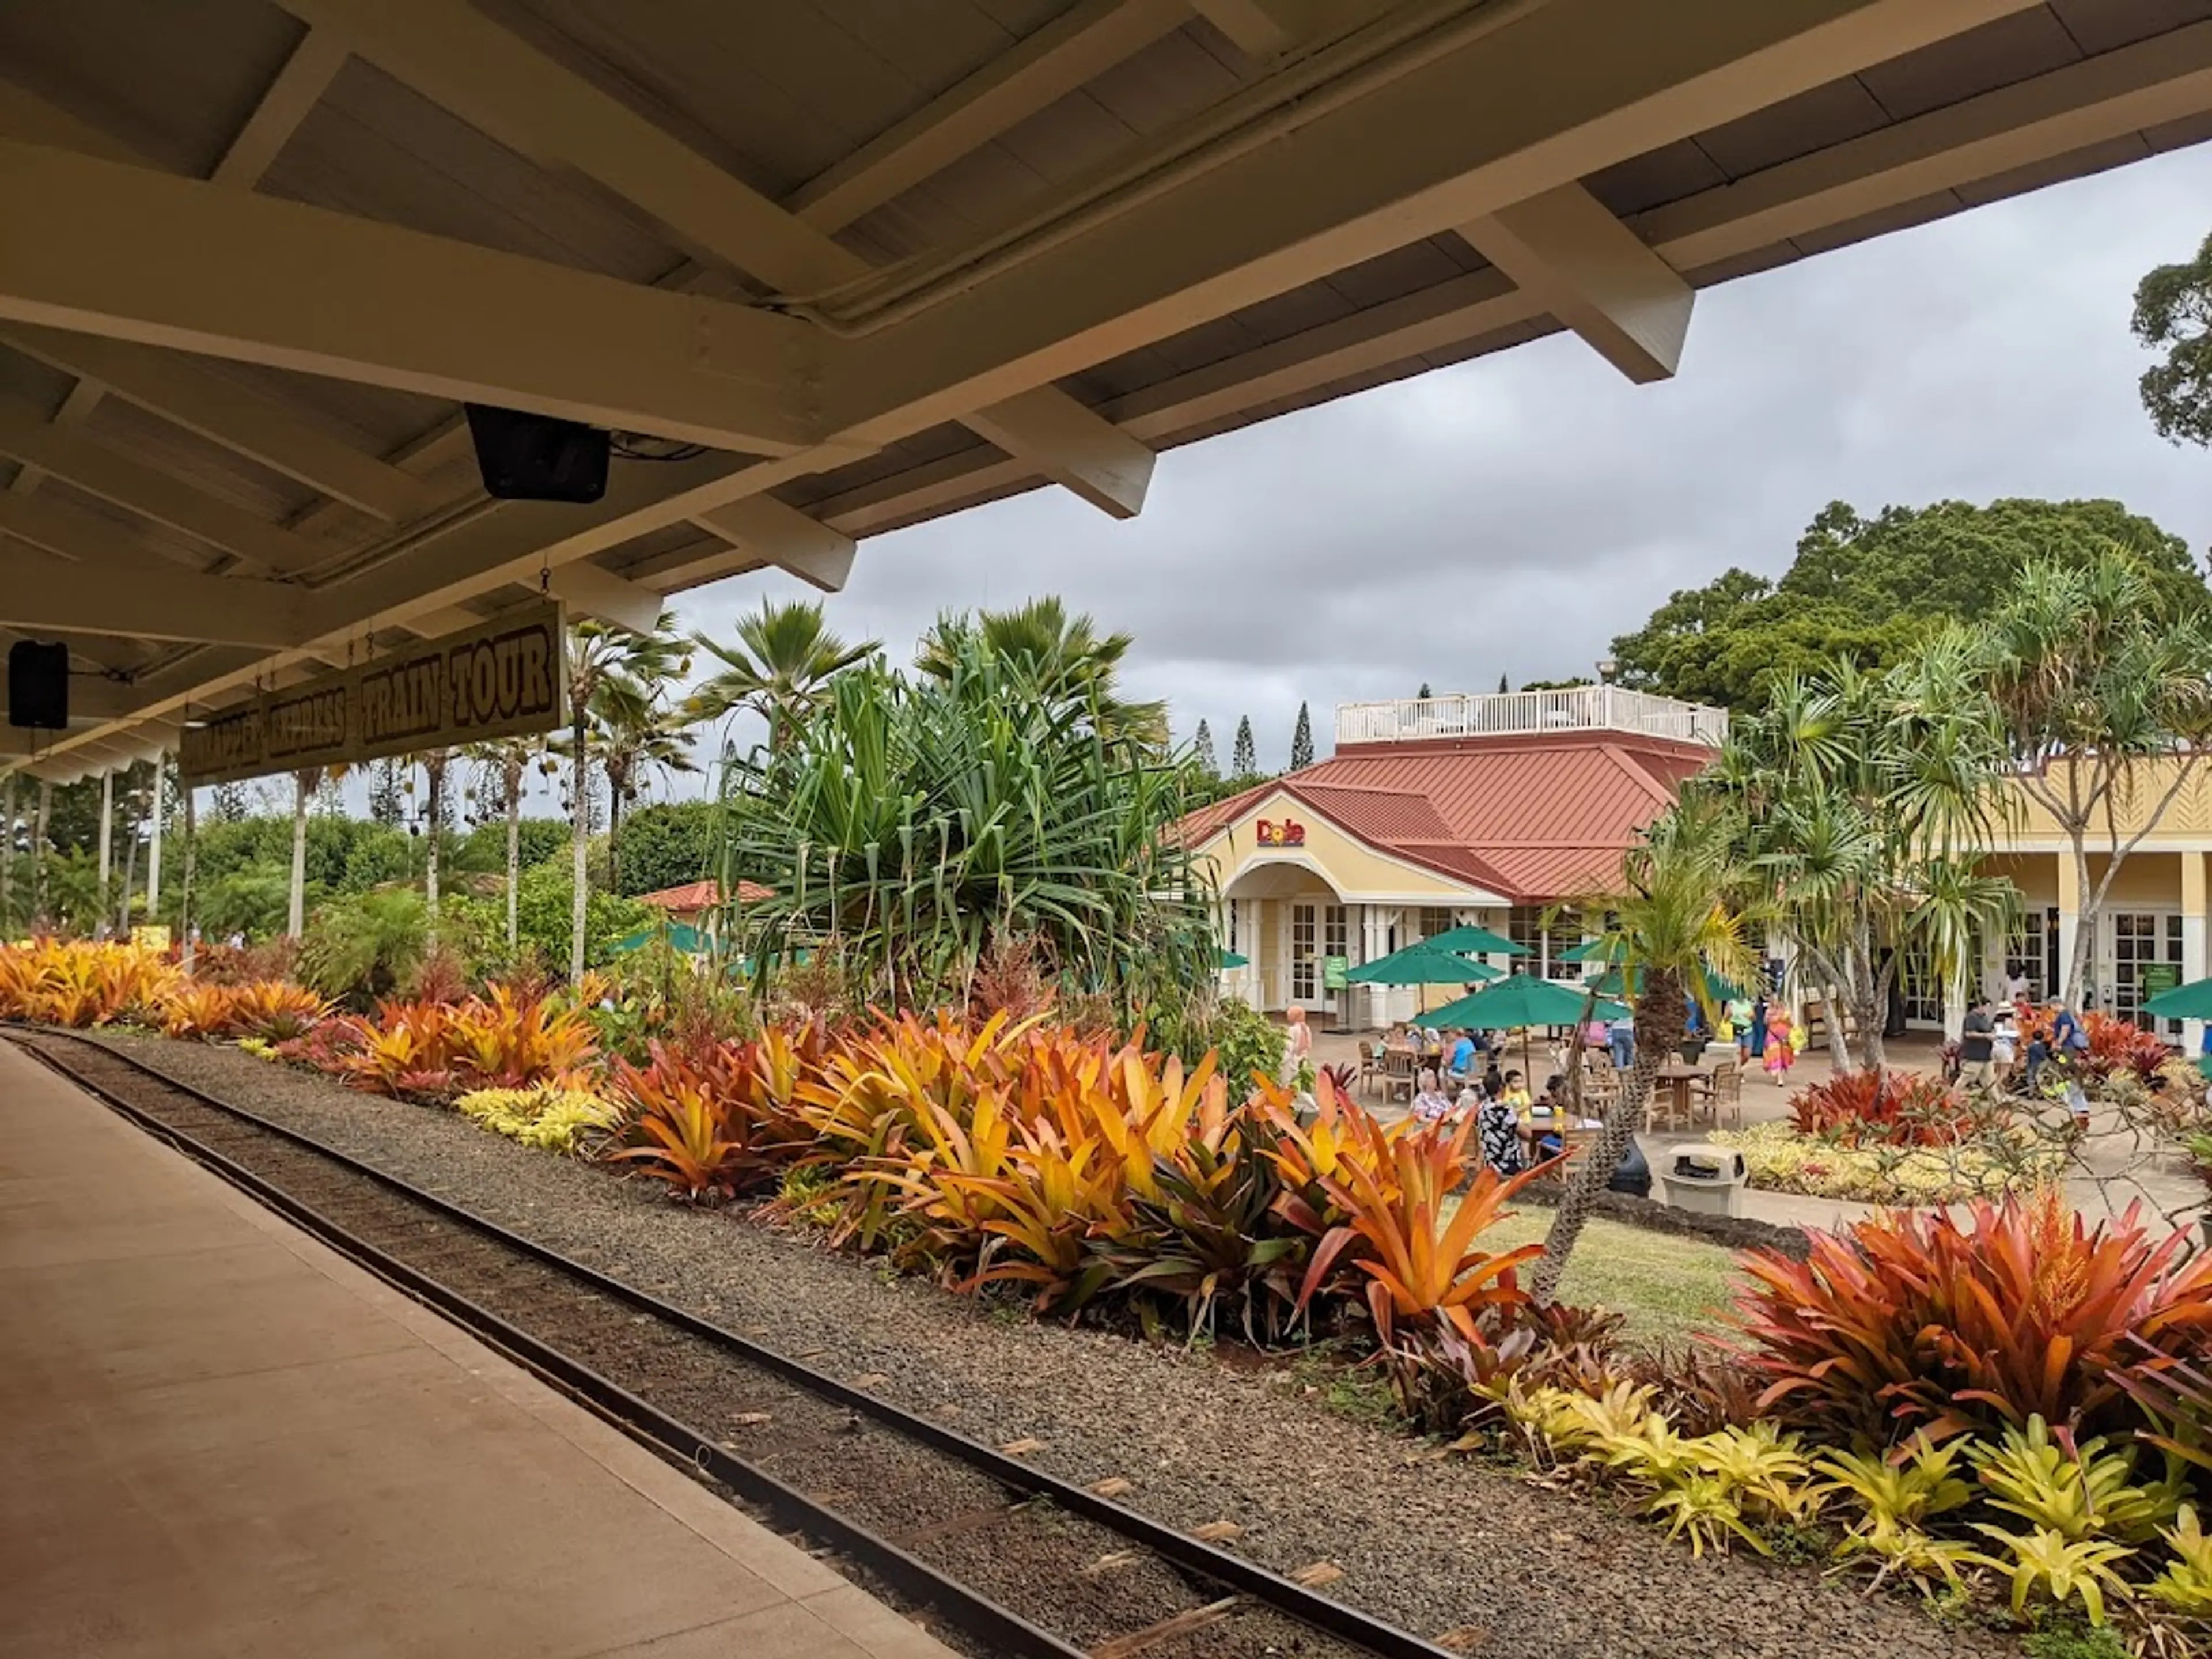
(1416, 1249)
(80, 982)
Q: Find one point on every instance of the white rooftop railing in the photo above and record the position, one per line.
(1521, 713)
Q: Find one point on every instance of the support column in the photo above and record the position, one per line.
(1374, 945)
(107, 835)
(154, 840)
(1956, 1001)
(2193, 940)
(2069, 924)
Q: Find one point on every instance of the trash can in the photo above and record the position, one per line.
(1707, 1178)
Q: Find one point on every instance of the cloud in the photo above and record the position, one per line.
(1512, 514)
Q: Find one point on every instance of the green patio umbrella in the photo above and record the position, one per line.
(1525, 1000)
(1230, 959)
(1475, 942)
(1521, 1001)
(1616, 981)
(680, 936)
(1420, 964)
(2190, 1001)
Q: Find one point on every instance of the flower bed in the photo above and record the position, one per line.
(1778, 1159)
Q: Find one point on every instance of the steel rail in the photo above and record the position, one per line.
(1270, 1589)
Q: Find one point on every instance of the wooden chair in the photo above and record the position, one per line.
(1400, 1066)
(1723, 1086)
(1371, 1068)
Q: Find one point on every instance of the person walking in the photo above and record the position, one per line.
(1621, 1037)
(1297, 1047)
(1977, 1047)
(1780, 1045)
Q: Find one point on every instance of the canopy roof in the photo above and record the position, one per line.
(841, 267)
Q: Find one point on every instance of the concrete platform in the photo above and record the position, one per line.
(219, 1438)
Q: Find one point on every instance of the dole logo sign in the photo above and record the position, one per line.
(1288, 833)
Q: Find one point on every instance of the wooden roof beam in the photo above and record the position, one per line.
(1066, 54)
(497, 81)
(131, 254)
(1589, 271)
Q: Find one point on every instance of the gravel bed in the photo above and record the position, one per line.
(1504, 1566)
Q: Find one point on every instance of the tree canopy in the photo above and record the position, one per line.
(2173, 310)
(1869, 592)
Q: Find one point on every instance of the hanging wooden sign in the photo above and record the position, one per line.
(502, 678)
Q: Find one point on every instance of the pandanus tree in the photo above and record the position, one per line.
(1863, 800)
(915, 823)
(596, 651)
(2101, 688)
(1062, 653)
(1684, 909)
(639, 731)
(781, 659)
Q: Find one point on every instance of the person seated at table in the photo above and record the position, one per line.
(1493, 1081)
(1431, 1105)
(1547, 1117)
(1398, 1036)
(1514, 1092)
(1500, 1131)
(1463, 1058)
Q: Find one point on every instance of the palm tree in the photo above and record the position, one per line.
(1679, 913)
(434, 762)
(305, 782)
(637, 731)
(507, 758)
(1065, 653)
(596, 650)
(782, 658)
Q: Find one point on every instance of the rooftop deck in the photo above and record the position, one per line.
(1523, 713)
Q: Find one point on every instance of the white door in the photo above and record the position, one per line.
(1305, 960)
(2131, 941)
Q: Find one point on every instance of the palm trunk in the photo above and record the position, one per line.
(138, 804)
(38, 850)
(580, 898)
(614, 828)
(1659, 1027)
(184, 892)
(513, 846)
(435, 768)
(295, 916)
(8, 853)
(106, 844)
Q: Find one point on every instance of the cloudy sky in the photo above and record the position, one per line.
(1512, 515)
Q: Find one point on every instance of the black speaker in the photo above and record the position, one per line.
(38, 685)
(536, 458)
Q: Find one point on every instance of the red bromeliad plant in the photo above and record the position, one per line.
(1911, 1322)
(1418, 1254)
(2116, 1045)
(1895, 1109)
(705, 1118)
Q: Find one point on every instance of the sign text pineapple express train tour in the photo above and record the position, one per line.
(502, 678)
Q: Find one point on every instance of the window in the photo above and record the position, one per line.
(1336, 932)
(1435, 920)
(2025, 954)
(1302, 953)
(2139, 939)
(1919, 987)
(1524, 925)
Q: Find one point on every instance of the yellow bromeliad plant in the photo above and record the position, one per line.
(553, 1120)
(80, 982)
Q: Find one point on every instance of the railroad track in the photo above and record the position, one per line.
(924, 1511)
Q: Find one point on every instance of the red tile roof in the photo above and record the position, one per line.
(702, 896)
(1533, 818)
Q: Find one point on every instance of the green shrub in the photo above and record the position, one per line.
(368, 947)
(665, 846)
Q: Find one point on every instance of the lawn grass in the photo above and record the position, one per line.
(1667, 1287)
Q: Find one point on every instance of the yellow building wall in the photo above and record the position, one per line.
(2188, 819)
(1351, 867)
